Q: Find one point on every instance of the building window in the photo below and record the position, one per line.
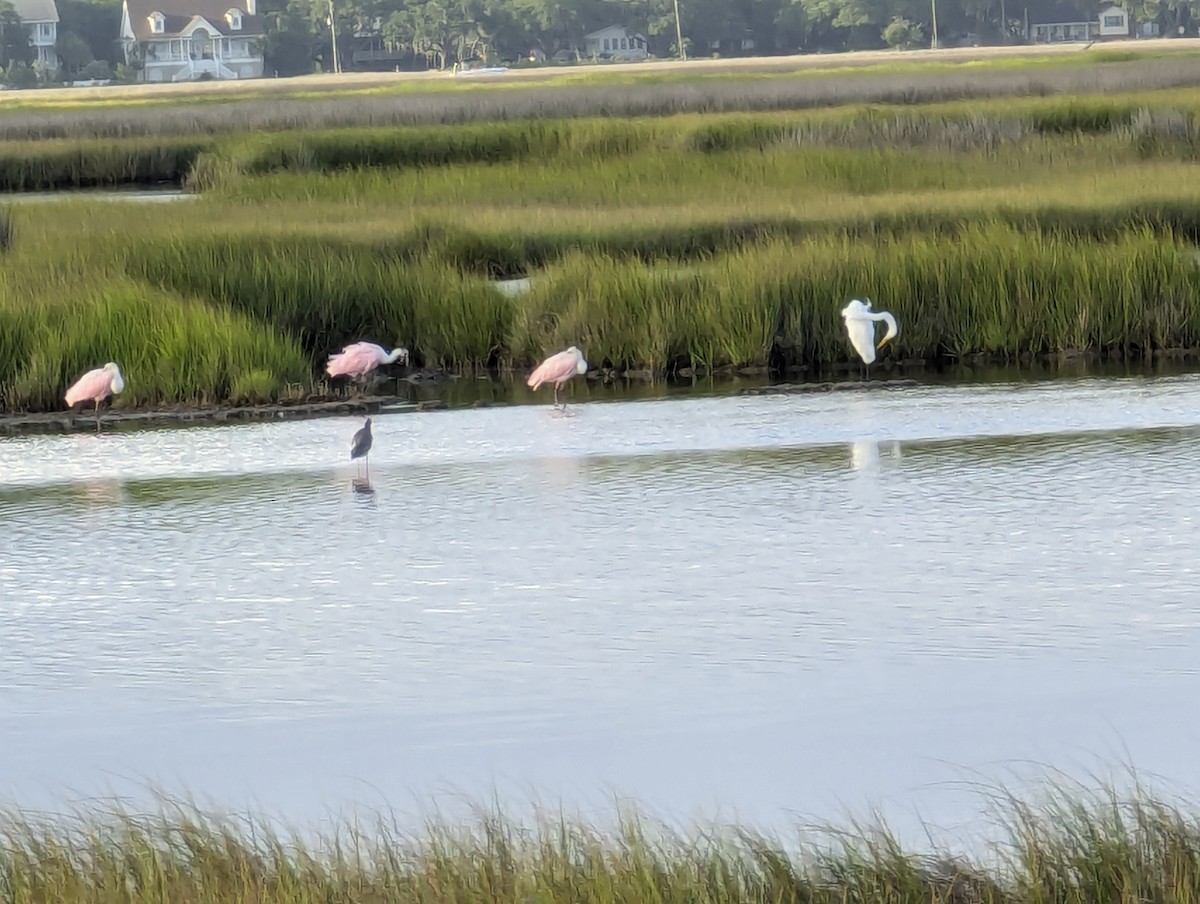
(1114, 21)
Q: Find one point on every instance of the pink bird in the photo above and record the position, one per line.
(557, 369)
(97, 385)
(360, 358)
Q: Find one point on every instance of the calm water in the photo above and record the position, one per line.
(724, 606)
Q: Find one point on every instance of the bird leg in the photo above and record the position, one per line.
(97, 415)
(367, 462)
(555, 395)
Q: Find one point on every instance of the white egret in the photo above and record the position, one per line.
(860, 324)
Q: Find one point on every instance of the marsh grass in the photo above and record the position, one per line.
(1009, 229)
(979, 289)
(982, 131)
(170, 349)
(72, 163)
(1143, 122)
(985, 289)
(615, 101)
(1062, 848)
(325, 294)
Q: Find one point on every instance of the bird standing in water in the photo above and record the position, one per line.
(558, 369)
(96, 385)
(860, 324)
(358, 359)
(360, 446)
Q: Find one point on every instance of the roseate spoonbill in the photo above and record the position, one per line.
(97, 385)
(860, 324)
(360, 446)
(558, 369)
(360, 358)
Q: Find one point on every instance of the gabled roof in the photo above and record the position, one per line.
(178, 15)
(36, 10)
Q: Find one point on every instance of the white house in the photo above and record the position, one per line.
(1060, 32)
(1114, 22)
(616, 42)
(183, 40)
(40, 21)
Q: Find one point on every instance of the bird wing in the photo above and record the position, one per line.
(361, 444)
(93, 384)
(553, 369)
(356, 358)
(862, 337)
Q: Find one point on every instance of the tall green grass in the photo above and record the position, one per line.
(979, 289)
(324, 294)
(1036, 226)
(984, 130)
(1064, 848)
(898, 85)
(75, 163)
(1158, 123)
(169, 349)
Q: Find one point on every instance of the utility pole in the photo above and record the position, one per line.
(337, 67)
(678, 33)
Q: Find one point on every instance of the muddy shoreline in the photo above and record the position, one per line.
(179, 415)
(427, 391)
(83, 421)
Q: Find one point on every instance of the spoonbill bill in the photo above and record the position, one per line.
(558, 369)
(360, 446)
(96, 385)
(860, 324)
(360, 358)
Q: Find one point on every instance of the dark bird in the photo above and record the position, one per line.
(360, 447)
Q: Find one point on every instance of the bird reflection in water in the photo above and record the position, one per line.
(864, 455)
(102, 493)
(362, 487)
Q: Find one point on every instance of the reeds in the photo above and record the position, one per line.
(73, 163)
(982, 288)
(1019, 228)
(325, 294)
(597, 96)
(1067, 848)
(170, 349)
(1158, 123)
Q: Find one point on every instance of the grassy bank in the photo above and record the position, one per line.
(455, 102)
(1144, 123)
(1006, 229)
(1060, 849)
(171, 349)
(231, 318)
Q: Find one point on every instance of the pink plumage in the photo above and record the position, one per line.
(95, 385)
(360, 358)
(558, 369)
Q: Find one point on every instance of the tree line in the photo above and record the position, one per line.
(414, 34)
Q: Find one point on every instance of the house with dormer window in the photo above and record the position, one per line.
(185, 40)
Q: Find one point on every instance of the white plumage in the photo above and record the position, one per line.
(860, 325)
